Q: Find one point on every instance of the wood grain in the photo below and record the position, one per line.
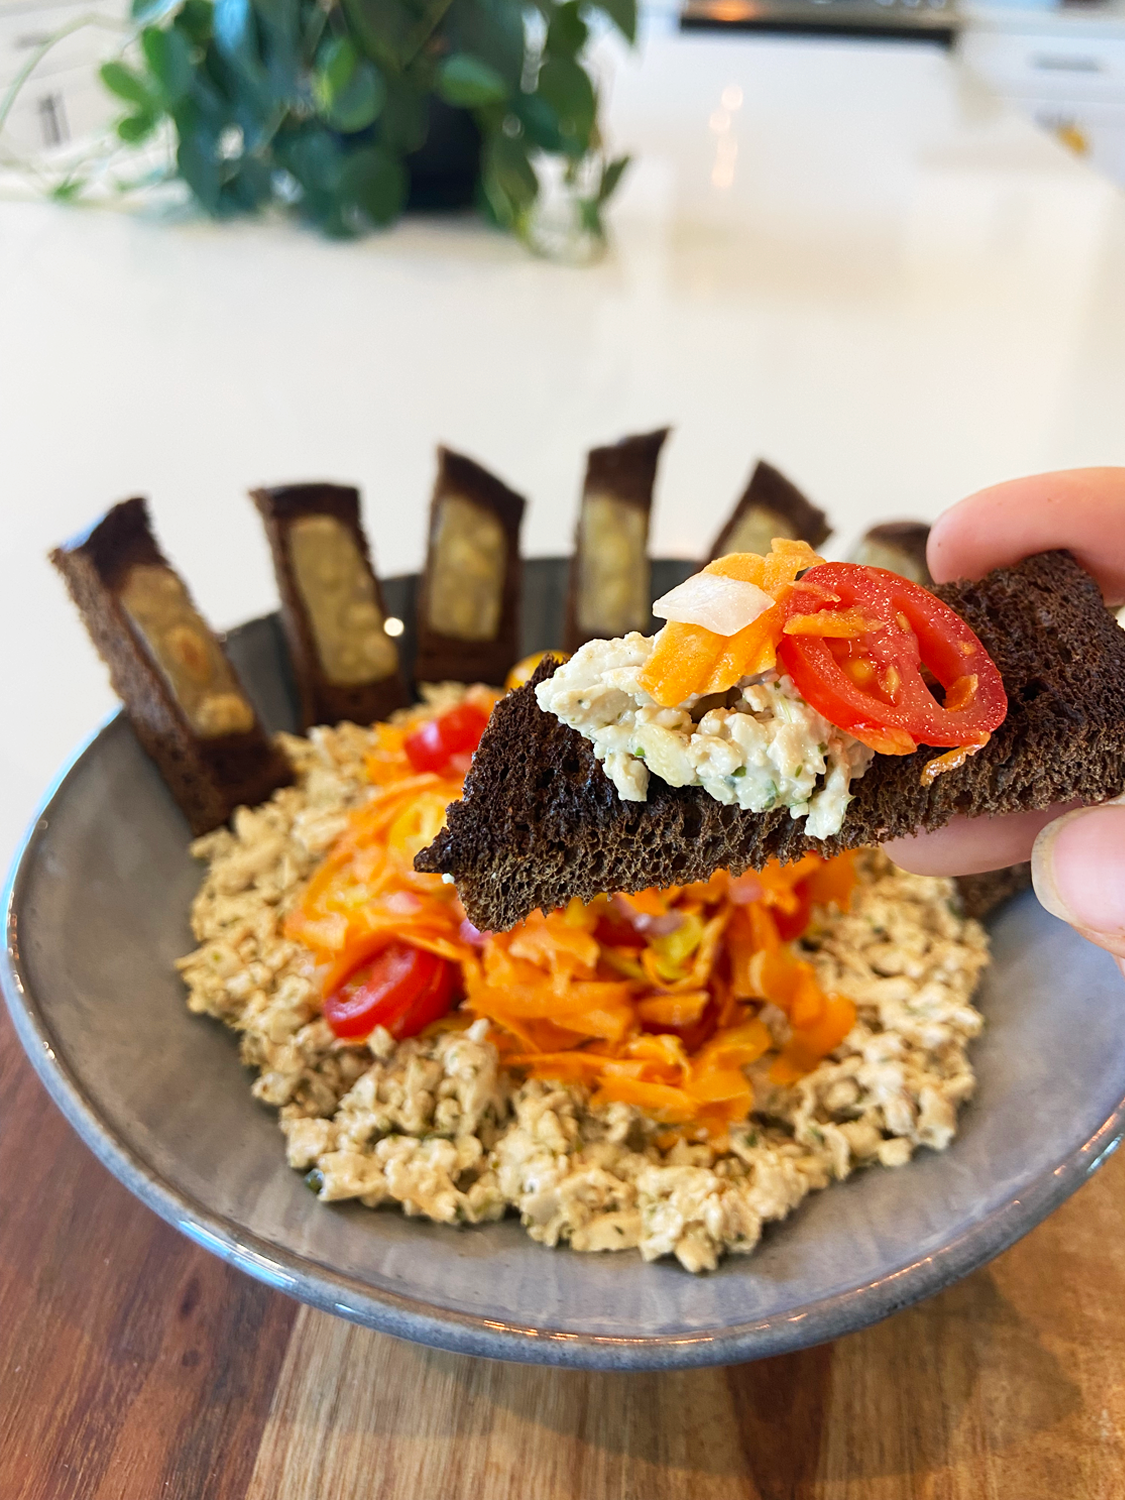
(1009, 1386)
(132, 1363)
(134, 1366)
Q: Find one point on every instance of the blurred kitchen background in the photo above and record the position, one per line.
(1060, 65)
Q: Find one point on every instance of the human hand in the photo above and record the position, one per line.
(1077, 853)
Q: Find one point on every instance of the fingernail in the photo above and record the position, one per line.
(1078, 866)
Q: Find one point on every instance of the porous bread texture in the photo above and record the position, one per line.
(541, 823)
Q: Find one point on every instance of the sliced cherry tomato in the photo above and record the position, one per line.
(614, 931)
(402, 988)
(857, 641)
(443, 743)
(433, 1003)
(790, 924)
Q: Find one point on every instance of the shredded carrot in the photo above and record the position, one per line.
(951, 760)
(841, 624)
(688, 659)
(651, 999)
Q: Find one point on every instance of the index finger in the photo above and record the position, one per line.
(1082, 510)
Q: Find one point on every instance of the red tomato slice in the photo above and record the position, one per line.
(425, 749)
(856, 643)
(613, 931)
(462, 727)
(448, 741)
(790, 924)
(433, 1003)
(402, 988)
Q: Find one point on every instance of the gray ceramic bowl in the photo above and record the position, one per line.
(97, 911)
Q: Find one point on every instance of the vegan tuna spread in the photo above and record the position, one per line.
(775, 681)
(761, 746)
(667, 1071)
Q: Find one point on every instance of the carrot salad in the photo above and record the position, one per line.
(651, 999)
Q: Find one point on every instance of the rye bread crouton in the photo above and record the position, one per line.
(769, 506)
(540, 822)
(344, 664)
(183, 698)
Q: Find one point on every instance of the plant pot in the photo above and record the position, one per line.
(444, 171)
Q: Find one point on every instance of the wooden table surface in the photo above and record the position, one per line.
(135, 1366)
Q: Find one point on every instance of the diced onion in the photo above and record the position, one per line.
(722, 605)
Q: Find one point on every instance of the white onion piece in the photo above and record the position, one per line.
(724, 605)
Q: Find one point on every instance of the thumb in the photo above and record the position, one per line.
(1078, 866)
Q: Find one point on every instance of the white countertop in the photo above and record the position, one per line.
(905, 293)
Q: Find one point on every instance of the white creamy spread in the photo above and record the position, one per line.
(765, 748)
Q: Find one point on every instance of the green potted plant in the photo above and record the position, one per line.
(349, 111)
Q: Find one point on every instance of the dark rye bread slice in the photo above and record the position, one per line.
(540, 822)
(209, 775)
(624, 472)
(324, 698)
(478, 656)
(768, 498)
(983, 893)
(899, 546)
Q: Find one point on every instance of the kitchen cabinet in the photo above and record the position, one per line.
(63, 100)
(1064, 68)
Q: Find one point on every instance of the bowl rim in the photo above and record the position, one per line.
(425, 1322)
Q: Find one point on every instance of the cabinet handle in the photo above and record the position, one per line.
(1054, 62)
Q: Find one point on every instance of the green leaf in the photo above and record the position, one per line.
(198, 163)
(570, 94)
(623, 14)
(375, 182)
(466, 81)
(384, 29)
(194, 20)
(405, 117)
(349, 90)
(492, 31)
(568, 32)
(337, 64)
(611, 177)
(134, 128)
(315, 157)
(233, 25)
(67, 190)
(168, 54)
(126, 84)
(509, 180)
(361, 103)
(283, 20)
(590, 216)
(250, 188)
(539, 121)
(150, 10)
(237, 64)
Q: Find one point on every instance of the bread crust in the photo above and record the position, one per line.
(768, 489)
(540, 822)
(440, 657)
(209, 777)
(626, 471)
(322, 701)
(906, 537)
